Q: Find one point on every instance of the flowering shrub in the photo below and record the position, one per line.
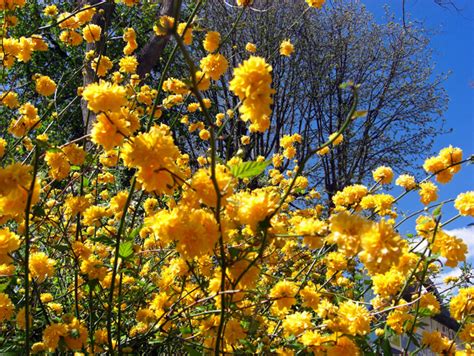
(121, 242)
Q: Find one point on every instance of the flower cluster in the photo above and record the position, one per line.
(145, 233)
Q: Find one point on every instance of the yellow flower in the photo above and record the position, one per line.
(450, 247)
(316, 3)
(93, 215)
(59, 166)
(286, 48)
(383, 175)
(244, 140)
(211, 41)
(381, 247)
(353, 318)
(101, 65)
(76, 336)
(350, 195)
(252, 84)
(130, 37)
(399, 318)
(93, 268)
(50, 10)
(343, 345)
(283, 294)
(429, 301)
(253, 207)
(130, 3)
(9, 242)
(71, 37)
(323, 151)
(428, 192)
(445, 164)
(176, 86)
(214, 65)
(164, 25)
(85, 14)
(41, 266)
(75, 205)
(204, 135)
(51, 335)
(250, 47)
(433, 164)
(346, 231)
(452, 155)
(21, 319)
(295, 324)
(154, 154)
(202, 186)
(37, 347)
(195, 230)
(389, 283)
(310, 296)
(380, 203)
(188, 35)
(467, 333)
(406, 181)
(128, 64)
(111, 129)
(104, 96)
(75, 154)
(437, 342)
(10, 99)
(312, 230)
(337, 138)
(29, 118)
(464, 203)
(244, 2)
(45, 85)
(91, 33)
(6, 307)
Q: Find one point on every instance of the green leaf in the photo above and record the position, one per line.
(185, 330)
(38, 211)
(437, 211)
(126, 249)
(102, 239)
(75, 168)
(346, 85)
(387, 349)
(4, 286)
(134, 233)
(234, 252)
(61, 248)
(249, 169)
(192, 351)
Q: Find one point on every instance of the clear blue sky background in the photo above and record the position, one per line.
(453, 50)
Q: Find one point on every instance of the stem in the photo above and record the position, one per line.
(27, 251)
(420, 288)
(114, 268)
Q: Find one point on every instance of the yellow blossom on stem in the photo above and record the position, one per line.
(45, 85)
(252, 84)
(41, 266)
(286, 48)
(428, 192)
(211, 41)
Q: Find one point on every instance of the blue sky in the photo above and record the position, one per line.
(453, 50)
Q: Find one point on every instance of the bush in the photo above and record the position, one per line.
(119, 241)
